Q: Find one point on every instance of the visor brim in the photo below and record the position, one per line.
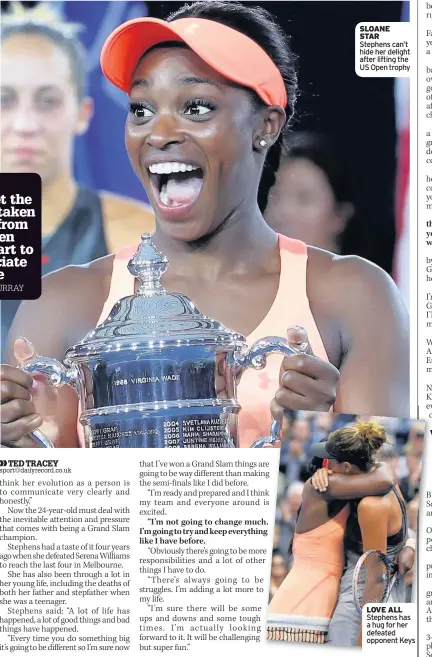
(319, 450)
(125, 46)
(213, 42)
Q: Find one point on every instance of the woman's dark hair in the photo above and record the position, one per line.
(315, 464)
(258, 24)
(324, 154)
(291, 543)
(317, 149)
(358, 444)
(277, 553)
(62, 35)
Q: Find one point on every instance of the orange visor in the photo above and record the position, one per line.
(229, 52)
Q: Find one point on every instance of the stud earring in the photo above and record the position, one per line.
(263, 143)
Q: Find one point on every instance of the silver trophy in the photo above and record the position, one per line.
(157, 372)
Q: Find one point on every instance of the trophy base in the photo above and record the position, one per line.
(187, 425)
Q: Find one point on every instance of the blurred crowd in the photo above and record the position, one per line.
(403, 453)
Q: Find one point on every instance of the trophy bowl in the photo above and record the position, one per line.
(157, 372)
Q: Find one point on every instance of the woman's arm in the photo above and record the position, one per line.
(378, 481)
(364, 326)
(365, 329)
(374, 373)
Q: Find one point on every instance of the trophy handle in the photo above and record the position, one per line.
(58, 375)
(41, 439)
(256, 357)
(269, 440)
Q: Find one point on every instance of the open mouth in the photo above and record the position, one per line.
(176, 184)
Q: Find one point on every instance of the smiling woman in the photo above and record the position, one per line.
(209, 104)
(211, 90)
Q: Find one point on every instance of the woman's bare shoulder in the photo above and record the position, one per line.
(70, 305)
(125, 220)
(372, 507)
(349, 298)
(78, 283)
(93, 273)
(334, 279)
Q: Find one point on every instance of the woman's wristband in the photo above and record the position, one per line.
(411, 543)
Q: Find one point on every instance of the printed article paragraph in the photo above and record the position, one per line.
(157, 554)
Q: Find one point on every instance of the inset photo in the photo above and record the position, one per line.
(346, 523)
